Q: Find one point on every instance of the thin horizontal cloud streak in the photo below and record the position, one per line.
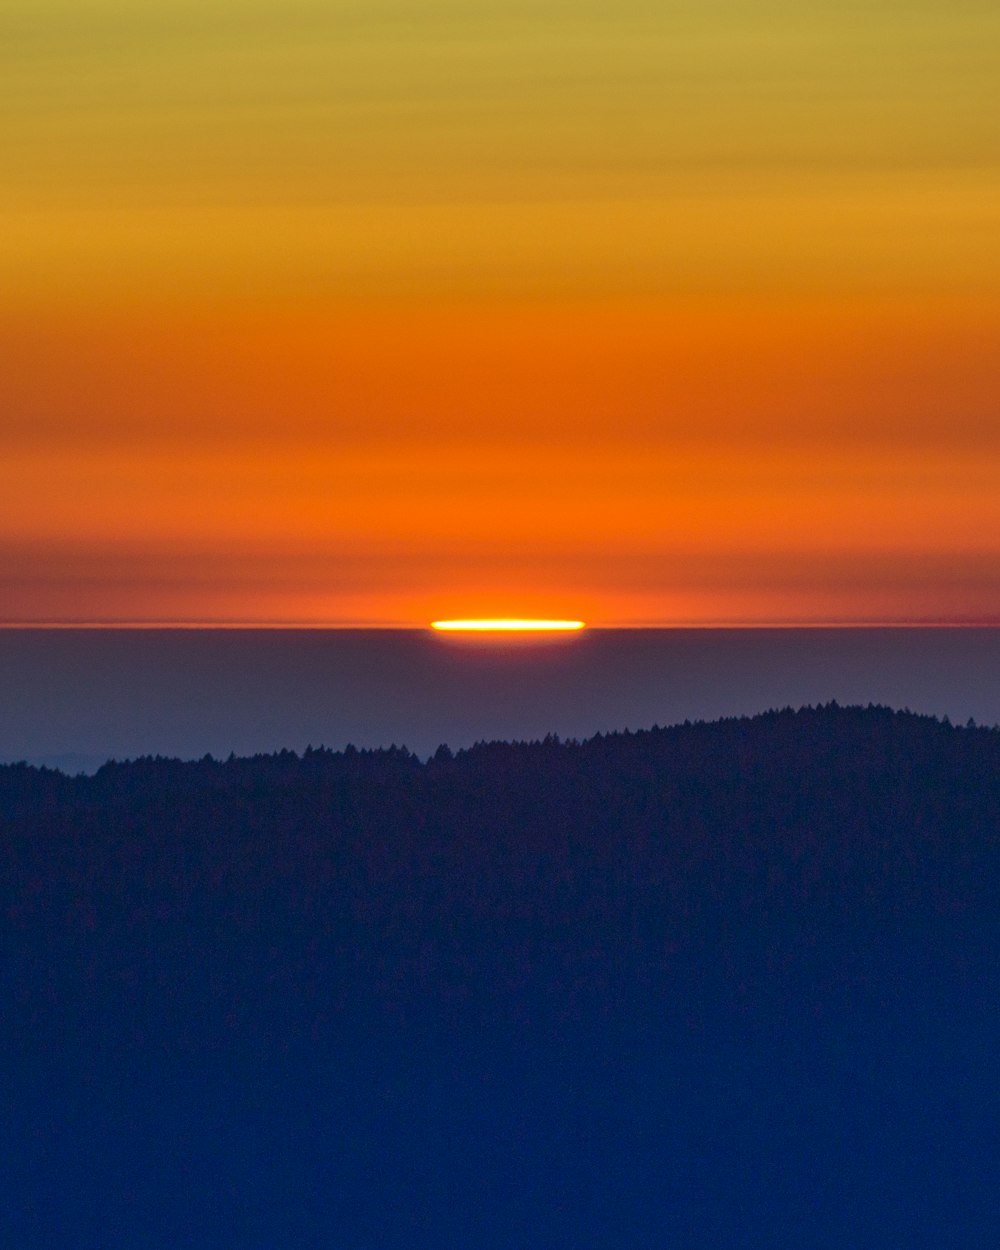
(205, 585)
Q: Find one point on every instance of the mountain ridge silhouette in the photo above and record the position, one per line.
(706, 985)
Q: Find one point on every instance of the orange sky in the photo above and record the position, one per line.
(604, 359)
(623, 462)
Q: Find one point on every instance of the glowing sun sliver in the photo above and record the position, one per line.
(506, 625)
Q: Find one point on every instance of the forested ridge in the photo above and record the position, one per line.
(812, 893)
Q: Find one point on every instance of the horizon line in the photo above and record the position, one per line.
(424, 627)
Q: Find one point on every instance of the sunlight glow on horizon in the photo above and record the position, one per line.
(507, 625)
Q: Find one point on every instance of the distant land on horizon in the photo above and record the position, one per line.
(445, 752)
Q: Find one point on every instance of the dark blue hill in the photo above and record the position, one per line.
(716, 985)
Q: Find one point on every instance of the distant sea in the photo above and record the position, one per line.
(72, 699)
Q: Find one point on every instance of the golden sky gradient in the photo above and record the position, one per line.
(383, 312)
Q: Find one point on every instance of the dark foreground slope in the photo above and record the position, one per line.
(724, 985)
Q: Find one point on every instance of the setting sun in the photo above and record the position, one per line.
(508, 625)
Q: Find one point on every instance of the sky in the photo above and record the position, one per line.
(672, 312)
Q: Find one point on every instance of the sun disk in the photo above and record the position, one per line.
(510, 625)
